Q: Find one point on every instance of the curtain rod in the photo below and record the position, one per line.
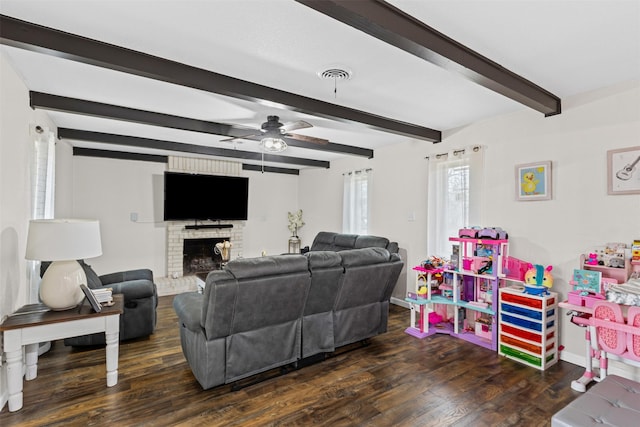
(357, 171)
(475, 149)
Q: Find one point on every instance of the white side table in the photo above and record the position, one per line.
(31, 325)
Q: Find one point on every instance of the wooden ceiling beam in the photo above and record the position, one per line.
(397, 28)
(156, 144)
(98, 109)
(38, 38)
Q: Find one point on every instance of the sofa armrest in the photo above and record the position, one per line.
(133, 289)
(124, 276)
(188, 307)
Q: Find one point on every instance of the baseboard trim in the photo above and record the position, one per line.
(400, 302)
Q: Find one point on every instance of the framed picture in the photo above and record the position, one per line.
(91, 298)
(533, 181)
(623, 171)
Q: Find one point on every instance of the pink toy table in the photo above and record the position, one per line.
(584, 317)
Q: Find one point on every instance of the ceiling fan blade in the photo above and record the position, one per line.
(300, 124)
(236, 138)
(306, 138)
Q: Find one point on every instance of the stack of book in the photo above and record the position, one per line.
(103, 295)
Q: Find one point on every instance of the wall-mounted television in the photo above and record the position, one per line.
(205, 197)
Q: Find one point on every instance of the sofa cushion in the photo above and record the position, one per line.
(365, 256)
(323, 259)
(344, 241)
(330, 241)
(278, 264)
(371, 242)
(326, 278)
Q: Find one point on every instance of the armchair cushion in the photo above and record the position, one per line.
(93, 280)
(124, 276)
(134, 289)
(188, 307)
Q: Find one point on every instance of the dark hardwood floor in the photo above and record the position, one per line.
(397, 380)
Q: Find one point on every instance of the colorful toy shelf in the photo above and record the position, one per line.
(528, 327)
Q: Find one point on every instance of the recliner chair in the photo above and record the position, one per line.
(140, 302)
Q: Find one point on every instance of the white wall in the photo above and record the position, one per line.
(271, 196)
(110, 190)
(580, 215)
(15, 192)
(399, 191)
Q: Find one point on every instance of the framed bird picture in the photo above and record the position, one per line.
(533, 181)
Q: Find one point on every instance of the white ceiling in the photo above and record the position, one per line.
(567, 47)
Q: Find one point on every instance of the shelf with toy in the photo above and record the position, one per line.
(528, 327)
(429, 301)
(476, 283)
(474, 296)
(612, 261)
(482, 256)
(424, 317)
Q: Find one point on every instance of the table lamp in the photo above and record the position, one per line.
(63, 241)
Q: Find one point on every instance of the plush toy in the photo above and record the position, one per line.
(593, 259)
(538, 280)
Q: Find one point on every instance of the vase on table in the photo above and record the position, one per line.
(294, 245)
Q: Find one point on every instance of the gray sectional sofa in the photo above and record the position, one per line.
(262, 313)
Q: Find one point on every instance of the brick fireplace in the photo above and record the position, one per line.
(177, 280)
(177, 234)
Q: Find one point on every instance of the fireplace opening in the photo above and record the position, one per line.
(199, 255)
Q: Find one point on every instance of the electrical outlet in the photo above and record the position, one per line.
(133, 216)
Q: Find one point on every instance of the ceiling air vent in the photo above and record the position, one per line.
(335, 74)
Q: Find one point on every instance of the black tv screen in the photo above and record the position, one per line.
(205, 197)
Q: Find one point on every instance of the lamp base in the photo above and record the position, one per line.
(60, 285)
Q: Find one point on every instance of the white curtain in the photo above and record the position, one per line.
(42, 193)
(356, 203)
(454, 199)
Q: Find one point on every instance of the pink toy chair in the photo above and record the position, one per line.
(633, 340)
(610, 340)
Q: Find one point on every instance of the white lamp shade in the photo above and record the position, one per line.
(63, 239)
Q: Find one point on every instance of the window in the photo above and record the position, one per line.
(42, 191)
(455, 181)
(356, 203)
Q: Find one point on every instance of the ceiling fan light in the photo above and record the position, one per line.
(273, 145)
